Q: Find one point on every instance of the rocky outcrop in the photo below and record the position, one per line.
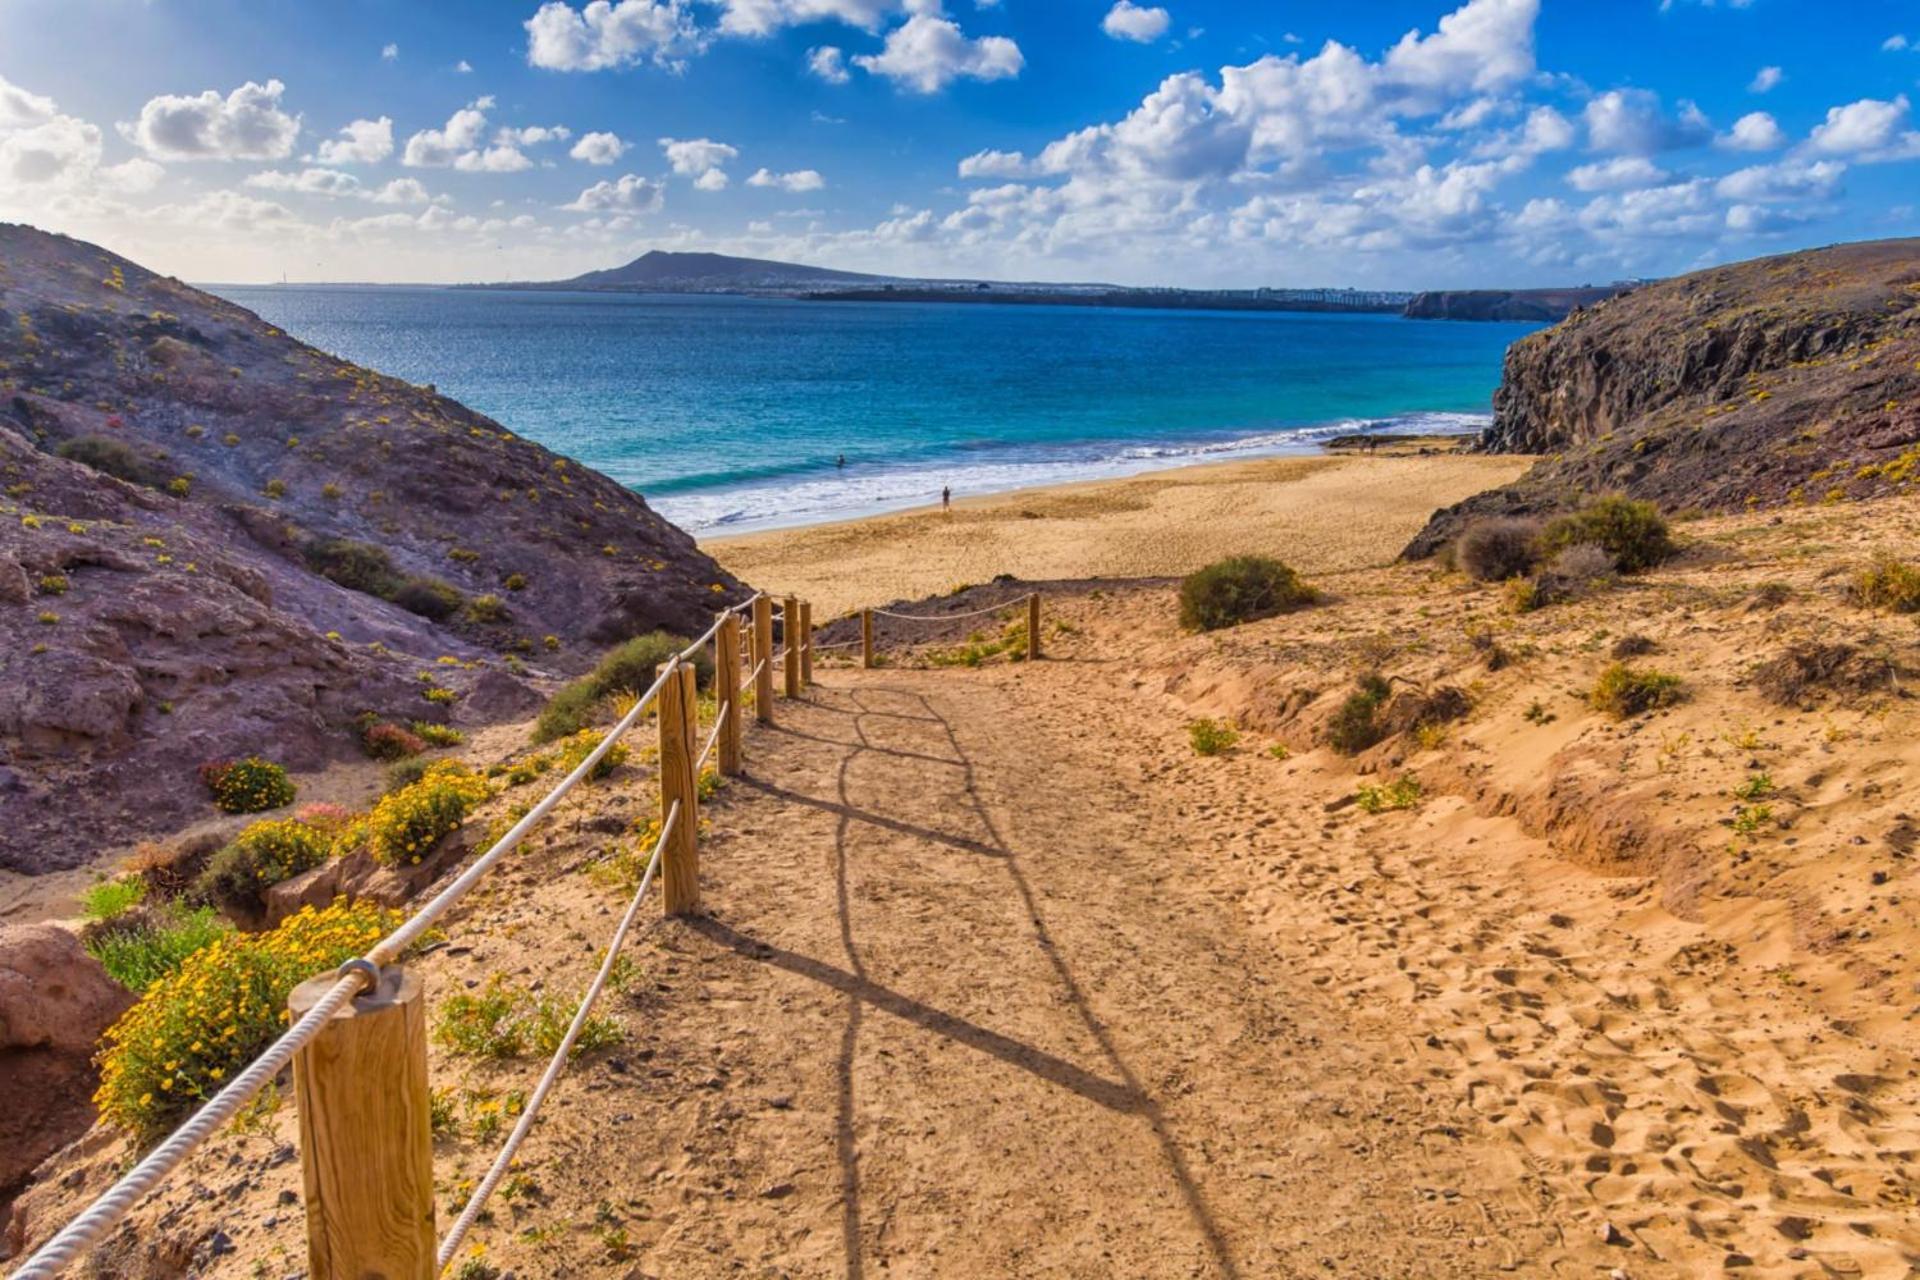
(55, 1000)
(217, 541)
(1507, 304)
(1779, 381)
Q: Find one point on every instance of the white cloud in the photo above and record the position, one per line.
(763, 17)
(18, 107)
(61, 150)
(712, 180)
(926, 53)
(1766, 79)
(361, 142)
(1787, 180)
(1631, 121)
(338, 185)
(401, 191)
(598, 148)
(247, 124)
(798, 180)
(499, 158)
(1484, 44)
(1129, 21)
(460, 143)
(1617, 173)
(691, 157)
(1755, 131)
(463, 67)
(994, 164)
(531, 135)
(828, 63)
(603, 35)
(1870, 129)
(389, 52)
(1894, 43)
(631, 194)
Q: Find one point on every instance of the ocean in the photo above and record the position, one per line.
(731, 414)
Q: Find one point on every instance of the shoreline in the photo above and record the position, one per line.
(1333, 511)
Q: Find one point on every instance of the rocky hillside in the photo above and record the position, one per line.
(1506, 304)
(1784, 380)
(215, 541)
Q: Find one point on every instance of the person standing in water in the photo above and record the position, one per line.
(841, 462)
(946, 498)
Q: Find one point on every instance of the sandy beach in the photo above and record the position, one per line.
(1320, 514)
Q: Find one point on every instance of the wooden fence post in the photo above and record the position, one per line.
(726, 679)
(1033, 627)
(679, 781)
(866, 639)
(806, 644)
(763, 660)
(790, 638)
(366, 1132)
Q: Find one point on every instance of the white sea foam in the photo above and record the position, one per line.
(870, 489)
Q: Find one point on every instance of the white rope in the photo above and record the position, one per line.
(501, 1162)
(948, 617)
(844, 644)
(719, 719)
(753, 675)
(86, 1230)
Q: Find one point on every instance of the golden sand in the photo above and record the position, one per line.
(1319, 514)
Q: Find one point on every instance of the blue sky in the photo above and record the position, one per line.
(1202, 142)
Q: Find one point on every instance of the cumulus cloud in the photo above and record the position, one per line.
(361, 142)
(1755, 131)
(605, 34)
(1788, 180)
(19, 108)
(389, 52)
(926, 53)
(691, 157)
(1870, 129)
(598, 148)
(798, 180)
(1632, 121)
(829, 64)
(338, 185)
(1129, 21)
(247, 124)
(630, 194)
(763, 17)
(994, 164)
(1766, 79)
(1615, 174)
(60, 150)
(463, 132)
(1895, 43)
(712, 180)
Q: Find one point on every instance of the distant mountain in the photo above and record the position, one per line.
(1507, 304)
(658, 271)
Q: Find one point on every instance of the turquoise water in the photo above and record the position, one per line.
(730, 413)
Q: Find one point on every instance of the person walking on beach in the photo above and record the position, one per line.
(946, 498)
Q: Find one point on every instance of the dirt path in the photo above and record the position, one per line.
(1000, 1031)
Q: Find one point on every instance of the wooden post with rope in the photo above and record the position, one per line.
(790, 638)
(866, 639)
(366, 1132)
(1033, 627)
(763, 660)
(806, 644)
(726, 680)
(679, 782)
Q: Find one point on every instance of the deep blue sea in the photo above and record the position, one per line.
(730, 414)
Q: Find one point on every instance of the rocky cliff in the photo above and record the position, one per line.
(1506, 304)
(215, 540)
(1783, 380)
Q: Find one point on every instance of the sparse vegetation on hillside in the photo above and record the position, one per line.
(1240, 589)
(627, 668)
(139, 950)
(249, 785)
(1889, 583)
(1633, 533)
(1354, 727)
(260, 857)
(1497, 549)
(1211, 737)
(1623, 690)
(504, 1020)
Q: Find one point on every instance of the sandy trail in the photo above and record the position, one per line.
(1033, 1034)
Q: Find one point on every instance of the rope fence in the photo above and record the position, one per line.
(357, 1039)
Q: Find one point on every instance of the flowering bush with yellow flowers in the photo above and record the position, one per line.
(199, 1025)
(407, 823)
(251, 785)
(267, 852)
(576, 747)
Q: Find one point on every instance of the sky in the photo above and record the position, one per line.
(1204, 143)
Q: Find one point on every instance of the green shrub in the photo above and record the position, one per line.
(515, 582)
(155, 943)
(438, 735)
(197, 1026)
(502, 1020)
(404, 773)
(1353, 728)
(103, 453)
(357, 566)
(1624, 691)
(1211, 737)
(488, 609)
(1240, 589)
(1402, 793)
(1498, 549)
(628, 667)
(260, 857)
(250, 785)
(1888, 584)
(111, 898)
(429, 597)
(1634, 533)
(575, 748)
